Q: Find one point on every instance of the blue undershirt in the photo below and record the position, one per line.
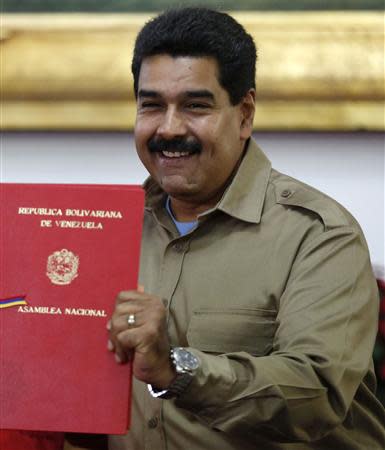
(183, 227)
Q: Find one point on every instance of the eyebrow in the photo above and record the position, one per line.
(199, 93)
(146, 93)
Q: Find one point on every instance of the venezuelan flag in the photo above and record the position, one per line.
(12, 301)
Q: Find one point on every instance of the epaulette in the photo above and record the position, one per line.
(294, 193)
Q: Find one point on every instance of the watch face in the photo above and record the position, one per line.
(185, 359)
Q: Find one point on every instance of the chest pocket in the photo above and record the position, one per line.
(232, 330)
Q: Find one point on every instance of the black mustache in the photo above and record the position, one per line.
(175, 144)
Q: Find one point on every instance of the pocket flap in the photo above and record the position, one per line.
(232, 330)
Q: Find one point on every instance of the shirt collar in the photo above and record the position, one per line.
(245, 196)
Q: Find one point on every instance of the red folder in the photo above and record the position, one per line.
(65, 252)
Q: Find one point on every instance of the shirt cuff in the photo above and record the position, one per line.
(155, 393)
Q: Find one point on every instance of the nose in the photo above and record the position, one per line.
(172, 124)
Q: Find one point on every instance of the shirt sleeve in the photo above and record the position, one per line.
(326, 327)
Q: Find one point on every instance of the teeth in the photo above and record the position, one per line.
(174, 154)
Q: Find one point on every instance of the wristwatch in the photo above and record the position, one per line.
(186, 365)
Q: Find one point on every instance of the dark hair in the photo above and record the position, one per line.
(201, 32)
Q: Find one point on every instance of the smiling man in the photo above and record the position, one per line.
(188, 134)
(256, 321)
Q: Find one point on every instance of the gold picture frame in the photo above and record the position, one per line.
(316, 70)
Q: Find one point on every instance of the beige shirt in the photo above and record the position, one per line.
(274, 292)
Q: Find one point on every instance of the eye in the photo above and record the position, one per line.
(197, 106)
(150, 105)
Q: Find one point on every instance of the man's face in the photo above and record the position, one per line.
(188, 135)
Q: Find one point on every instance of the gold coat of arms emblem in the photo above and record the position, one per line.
(62, 267)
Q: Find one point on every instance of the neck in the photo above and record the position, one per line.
(188, 212)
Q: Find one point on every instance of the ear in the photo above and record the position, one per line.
(247, 109)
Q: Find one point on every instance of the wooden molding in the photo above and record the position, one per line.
(316, 71)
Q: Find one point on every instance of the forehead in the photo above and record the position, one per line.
(164, 72)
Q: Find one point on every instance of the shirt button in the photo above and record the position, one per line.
(153, 422)
(286, 193)
(179, 247)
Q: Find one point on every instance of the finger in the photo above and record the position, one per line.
(140, 288)
(128, 320)
(128, 339)
(119, 358)
(126, 342)
(129, 307)
(121, 324)
(123, 358)
(119, 353)
(110, 345)
(127, 296)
